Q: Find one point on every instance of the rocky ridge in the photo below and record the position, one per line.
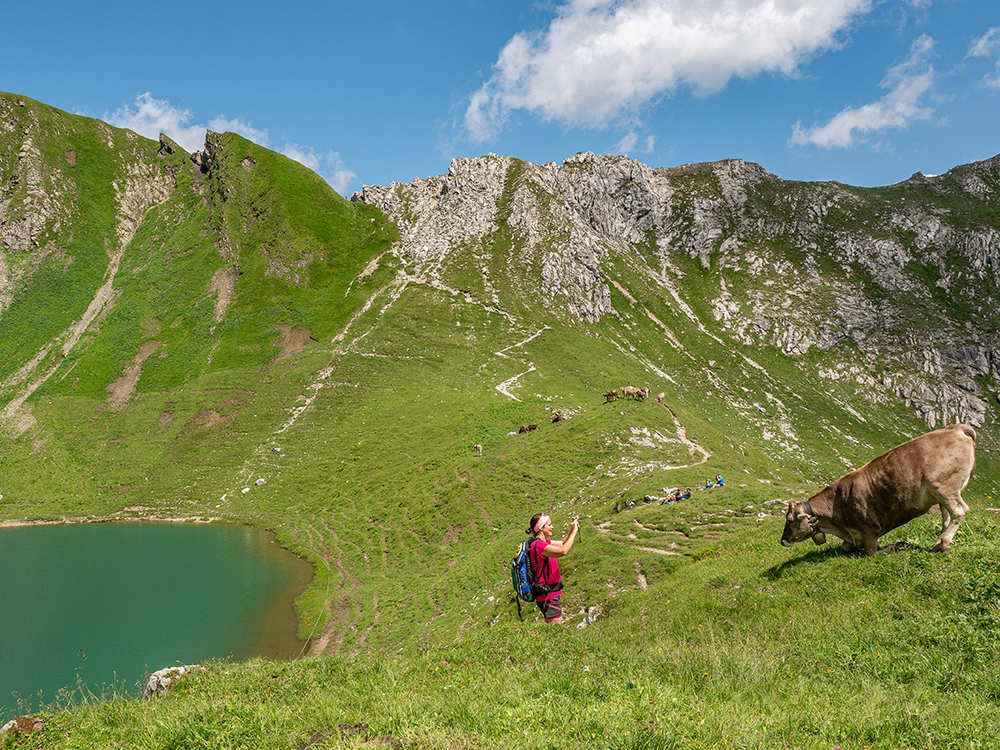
(896, 279)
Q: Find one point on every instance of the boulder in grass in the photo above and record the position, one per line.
(161, 680)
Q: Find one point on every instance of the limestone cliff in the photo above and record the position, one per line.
(896, 280)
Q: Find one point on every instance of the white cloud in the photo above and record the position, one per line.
(223, 125)
(329, 166)
(339, 176)
(600, 60)
(305, 157)
(150, 117)
(988, 46)
(907, 82)
(627, 145)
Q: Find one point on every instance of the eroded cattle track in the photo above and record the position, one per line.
(340, 611)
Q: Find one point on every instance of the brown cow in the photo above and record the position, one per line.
(528, 428)
(890, 490)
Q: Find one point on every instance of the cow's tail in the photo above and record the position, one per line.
(968, 431)
(971, 433)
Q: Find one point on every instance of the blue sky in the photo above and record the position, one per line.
(861, 91)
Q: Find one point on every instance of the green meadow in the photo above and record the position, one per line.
(267, 359)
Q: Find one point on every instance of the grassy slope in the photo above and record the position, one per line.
(376, 482)
(750, 647)
(204, 371)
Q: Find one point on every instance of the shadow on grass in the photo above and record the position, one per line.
(835, 552)
(816, 556)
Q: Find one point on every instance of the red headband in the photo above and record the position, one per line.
(541, 522)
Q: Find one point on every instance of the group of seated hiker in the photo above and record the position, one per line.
(709, 484)
(674, 496)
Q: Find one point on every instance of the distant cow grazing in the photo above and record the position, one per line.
(660, 397)
(558, 418)
(611, 395)
(479, 450)
(528, 427)
(890, 490)
(630, 391)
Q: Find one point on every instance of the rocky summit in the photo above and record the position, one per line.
(898, 283)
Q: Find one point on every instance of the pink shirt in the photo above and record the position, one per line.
(546, 568)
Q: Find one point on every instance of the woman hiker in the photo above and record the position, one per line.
(544, 552)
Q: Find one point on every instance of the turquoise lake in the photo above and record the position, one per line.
(111, 603)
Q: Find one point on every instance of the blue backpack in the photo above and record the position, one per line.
(525, 579)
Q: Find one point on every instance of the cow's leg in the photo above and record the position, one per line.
(861, 540)
(852, 539)
(945, 516)
(869, 543)
(953, 510)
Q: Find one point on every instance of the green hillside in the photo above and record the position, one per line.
(174, 329)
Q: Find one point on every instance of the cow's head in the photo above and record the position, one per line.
(800, 526)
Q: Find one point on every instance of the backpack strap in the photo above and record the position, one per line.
(544, 560)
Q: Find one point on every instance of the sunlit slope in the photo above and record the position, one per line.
(153, 325)
(378, 480)
(225, 337)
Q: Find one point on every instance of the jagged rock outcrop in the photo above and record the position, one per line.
(34, 201)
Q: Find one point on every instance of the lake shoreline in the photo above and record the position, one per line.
(133, 594)
(13, 523)
(65, 520)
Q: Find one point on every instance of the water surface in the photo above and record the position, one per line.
(108, 604)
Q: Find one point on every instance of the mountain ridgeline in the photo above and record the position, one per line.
(897, 283)
(219, 335)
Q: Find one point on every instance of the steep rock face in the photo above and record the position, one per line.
(41, 188)
(895, 279)
(142, 184)
(34, 201)
(426, 210)
(478, 199)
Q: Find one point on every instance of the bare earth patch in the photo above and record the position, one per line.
(223, 283)
(122, 389)
(293, 341)
(207, 418)
(451, 535)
